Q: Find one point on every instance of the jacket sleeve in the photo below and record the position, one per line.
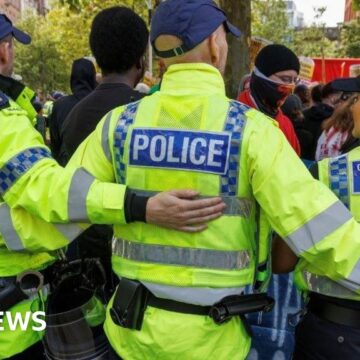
(95, 154)
(21, 231)
(305, 213)
(31, 179)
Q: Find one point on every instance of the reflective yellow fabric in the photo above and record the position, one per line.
(168, 335)
(24, 101)
(207, 115)
(43, 190)
(48, 106)
(13, 263)
(353, 198)
(338, 174)
(15, 342)
(269, 171)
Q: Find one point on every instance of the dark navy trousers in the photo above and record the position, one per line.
(319, 339)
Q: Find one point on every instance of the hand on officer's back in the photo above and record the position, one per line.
(179, 210)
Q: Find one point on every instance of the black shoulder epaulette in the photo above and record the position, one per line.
(4, 101)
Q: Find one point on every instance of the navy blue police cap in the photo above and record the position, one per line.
(347, 84)
(6, 28)
(192, 21)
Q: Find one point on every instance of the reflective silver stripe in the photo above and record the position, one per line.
(234, 206)
(318, 227)
(203, 296)
(78, 192)
(7, 230)
(325, 286)
(171, 255)
(69, 231)
(105, 137)
(352, 282)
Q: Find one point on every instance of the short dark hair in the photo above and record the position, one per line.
(302, 88)
(118, 39)
(328, 90)
(316, 93)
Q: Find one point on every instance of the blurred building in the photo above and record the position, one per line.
(12, 8)
(39, 7)
(296, 18)
(350, 13)
(17, 9)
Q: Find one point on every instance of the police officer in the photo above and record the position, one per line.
(330, 328)
(180, 295)
(30, 179)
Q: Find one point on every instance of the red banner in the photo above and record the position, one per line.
(331, 69)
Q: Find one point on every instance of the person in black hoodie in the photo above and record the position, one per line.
(118, 40)
(314, 117)
(82, 82)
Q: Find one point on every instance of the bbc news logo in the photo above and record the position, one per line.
(22, 321)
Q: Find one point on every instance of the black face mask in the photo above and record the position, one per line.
(269, 95)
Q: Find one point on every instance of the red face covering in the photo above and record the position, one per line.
(269, 95)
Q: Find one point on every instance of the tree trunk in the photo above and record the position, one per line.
(239, 14)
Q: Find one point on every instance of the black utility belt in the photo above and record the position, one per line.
(132, 298)
(335, 313)
(14, 289)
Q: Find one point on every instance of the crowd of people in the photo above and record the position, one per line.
(168, 205)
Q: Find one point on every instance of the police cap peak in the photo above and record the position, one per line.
(6, 28)
(347, 84)
(192, 21)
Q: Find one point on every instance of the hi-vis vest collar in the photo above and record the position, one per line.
(21, 94)
(197, 79)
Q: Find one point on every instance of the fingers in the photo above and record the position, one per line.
(194, 215)
(204, 219)
(201, 203)
(184, 194)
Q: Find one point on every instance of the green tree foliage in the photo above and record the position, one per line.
(59, 38)
(40, 63)
(269, 21)
(311, 41)
(350, 40)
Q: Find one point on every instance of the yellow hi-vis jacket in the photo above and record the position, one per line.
(41, 240)
(342, 175)
(30, 179)
(189, 134)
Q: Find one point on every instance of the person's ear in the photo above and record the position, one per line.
(214, 50)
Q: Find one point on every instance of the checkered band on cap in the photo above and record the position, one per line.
(338, 175)
(125, 120)
(17, 166)
(234, 124)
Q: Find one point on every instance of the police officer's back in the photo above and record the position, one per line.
(191, 133)
(31, 183)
